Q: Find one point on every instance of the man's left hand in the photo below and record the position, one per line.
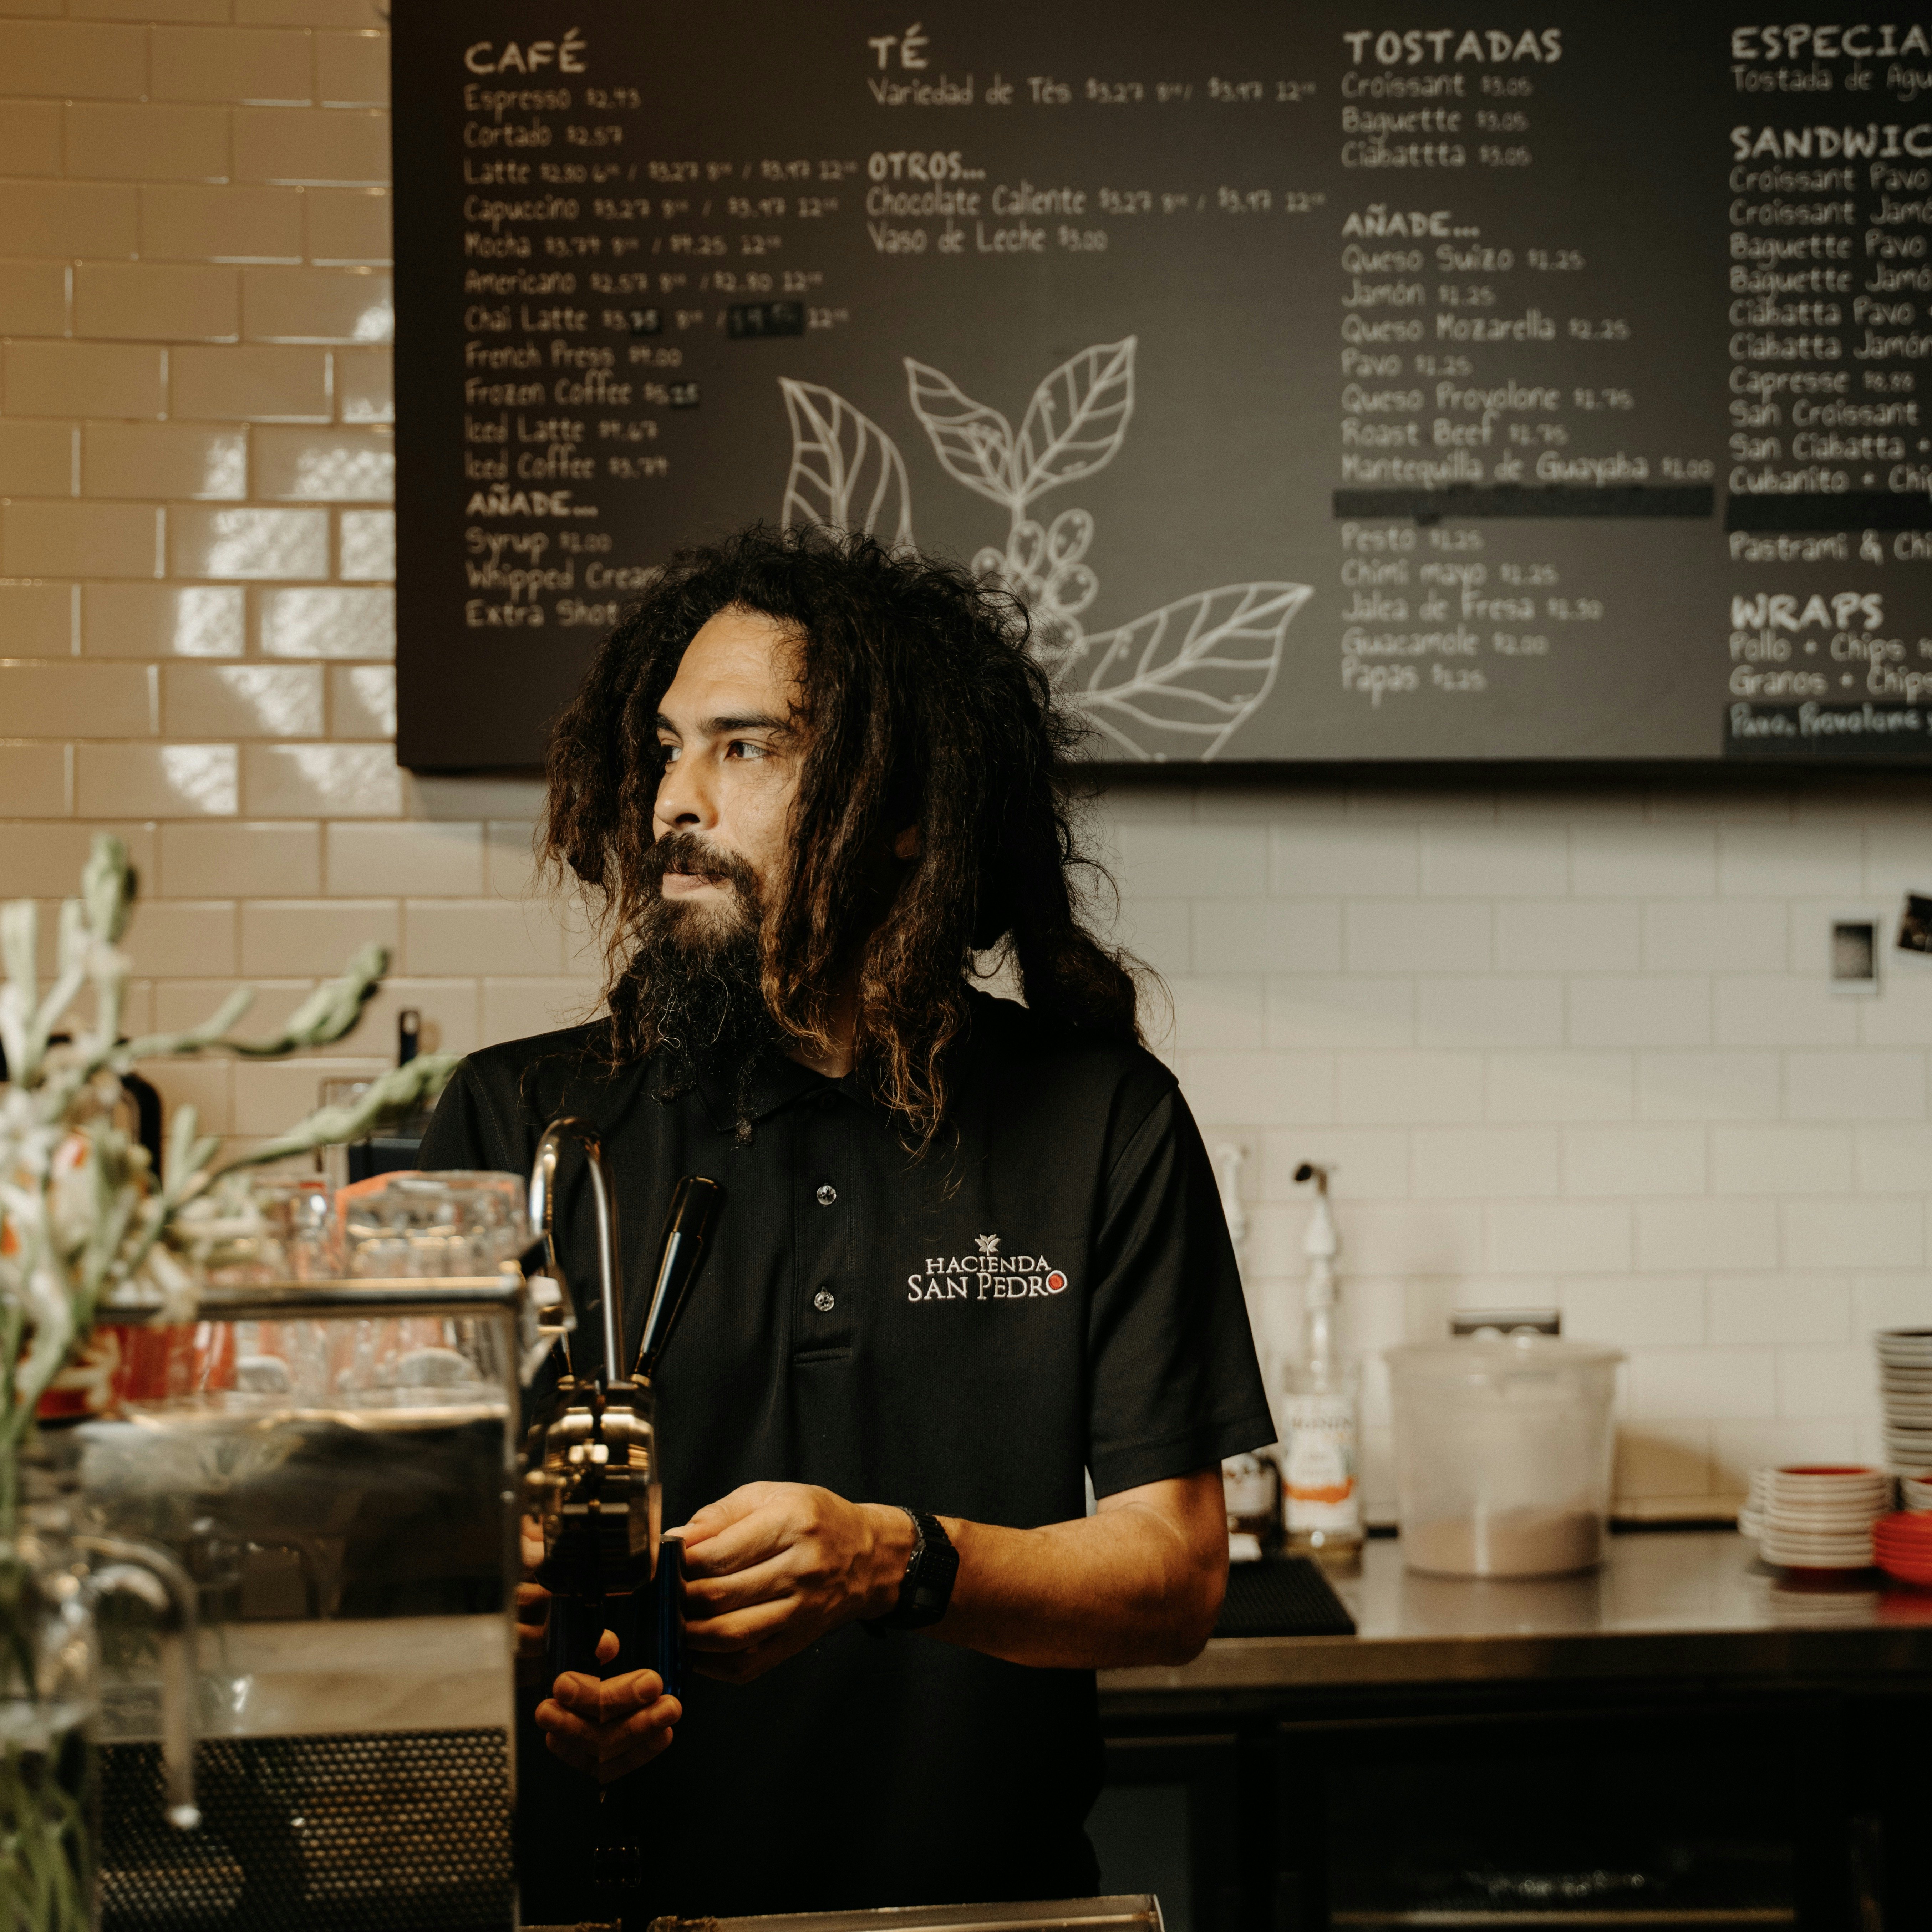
(773, 1566)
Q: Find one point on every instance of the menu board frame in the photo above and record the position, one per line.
(1332, 397)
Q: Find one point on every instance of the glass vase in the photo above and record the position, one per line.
(53, 1573)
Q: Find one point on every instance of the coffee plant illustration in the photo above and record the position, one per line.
(1176, 683)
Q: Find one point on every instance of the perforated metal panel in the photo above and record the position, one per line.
(376, 1831)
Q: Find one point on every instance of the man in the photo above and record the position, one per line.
(969, 1248)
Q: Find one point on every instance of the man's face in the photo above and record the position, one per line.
(732, 749)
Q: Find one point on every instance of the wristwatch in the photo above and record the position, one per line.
(927, 1588)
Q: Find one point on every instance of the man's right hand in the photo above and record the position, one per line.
(608, 1725)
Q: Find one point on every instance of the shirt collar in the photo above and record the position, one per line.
(779, 1082)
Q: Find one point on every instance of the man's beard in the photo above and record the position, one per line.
(693, 985)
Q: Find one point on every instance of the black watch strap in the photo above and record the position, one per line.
(927, 1589)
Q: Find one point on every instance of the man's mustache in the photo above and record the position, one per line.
(684, 852)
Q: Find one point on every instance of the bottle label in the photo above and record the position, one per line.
(1249, 1484)
(1320, 1474)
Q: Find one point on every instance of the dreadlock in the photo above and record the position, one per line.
(921, 705)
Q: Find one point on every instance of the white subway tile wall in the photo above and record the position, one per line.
(1573, 1048)
(1579, 1050)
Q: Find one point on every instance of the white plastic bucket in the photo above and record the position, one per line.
(1503, 1450)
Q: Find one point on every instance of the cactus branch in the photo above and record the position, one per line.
(85, 1222)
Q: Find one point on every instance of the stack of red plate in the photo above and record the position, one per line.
(1902, 1544)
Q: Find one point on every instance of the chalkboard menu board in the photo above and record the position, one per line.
(1335, 386)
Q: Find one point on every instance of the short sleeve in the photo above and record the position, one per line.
(1174, 1384)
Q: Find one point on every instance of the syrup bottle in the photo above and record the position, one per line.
(1322, 1500)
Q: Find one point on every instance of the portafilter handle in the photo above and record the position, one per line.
(693, 1207)
(543, 1206)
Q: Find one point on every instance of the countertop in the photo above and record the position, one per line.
(1664, 1604)
(316, 1678)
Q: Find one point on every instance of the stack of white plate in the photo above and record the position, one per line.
(1905, 1386)
(1820, 1517)
(1750, 1518)
(1916, 1492)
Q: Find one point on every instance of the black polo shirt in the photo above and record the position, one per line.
(1050, 1290)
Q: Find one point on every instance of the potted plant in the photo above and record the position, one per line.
(88, 1226)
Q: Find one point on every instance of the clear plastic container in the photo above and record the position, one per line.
(1503, 1451)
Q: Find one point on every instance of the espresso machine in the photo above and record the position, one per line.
(353, 1550)
(340, 1467)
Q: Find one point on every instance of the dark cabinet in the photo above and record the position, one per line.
(1677, 1805)
(1179, 1817)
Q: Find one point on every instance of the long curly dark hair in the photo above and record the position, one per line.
(922, 707)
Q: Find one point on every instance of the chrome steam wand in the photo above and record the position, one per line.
(543, 1206)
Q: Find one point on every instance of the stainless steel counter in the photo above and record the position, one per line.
(1665, 1604)
(318, 1678)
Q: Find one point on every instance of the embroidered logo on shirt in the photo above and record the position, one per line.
(989, 1276)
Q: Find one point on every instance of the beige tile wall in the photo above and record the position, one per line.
(197, 628)
(1576, 1048)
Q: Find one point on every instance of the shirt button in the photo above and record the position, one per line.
(827, 1194)
(824, 1302)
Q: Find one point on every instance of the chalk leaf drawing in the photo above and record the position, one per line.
(845, 470)
(1178, 683)
(1193, 671)
(1077, 420)
(1073, 426)
(974, 444)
